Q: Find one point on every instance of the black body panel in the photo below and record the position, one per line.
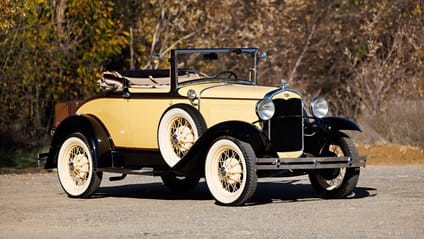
(134, 159)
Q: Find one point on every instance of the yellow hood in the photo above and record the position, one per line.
(227, 91)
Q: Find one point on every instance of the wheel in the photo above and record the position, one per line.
(230, 171)
(179, 183)
(75, 167)
(340, 182)
(228, 73)
(179, 128)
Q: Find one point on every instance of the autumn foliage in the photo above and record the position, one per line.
(364, 56)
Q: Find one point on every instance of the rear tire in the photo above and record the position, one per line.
(230, 171)
(339, 182)
(75, 167)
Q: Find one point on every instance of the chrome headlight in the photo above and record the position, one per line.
(319, 107)
(265, 109)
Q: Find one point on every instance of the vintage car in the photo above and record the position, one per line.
(205, 116)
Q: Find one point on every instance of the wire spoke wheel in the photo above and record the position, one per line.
(230, 171)
(182, 135)
(75, 167)
(337, 182)
(333, 178)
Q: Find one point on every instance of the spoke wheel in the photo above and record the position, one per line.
(179, 128)
(339, 182)
(230, 171)
(75, 167)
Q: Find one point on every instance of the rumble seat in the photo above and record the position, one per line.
(114, 80)
(144, 79)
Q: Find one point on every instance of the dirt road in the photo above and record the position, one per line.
(389, 203)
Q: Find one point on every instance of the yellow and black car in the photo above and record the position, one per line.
(205, 116)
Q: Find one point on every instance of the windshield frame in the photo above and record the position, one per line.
(252, 68)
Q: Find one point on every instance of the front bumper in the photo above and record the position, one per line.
(310, 163)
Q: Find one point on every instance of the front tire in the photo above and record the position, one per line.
(339, 182)
(230, 171)
(75, 167)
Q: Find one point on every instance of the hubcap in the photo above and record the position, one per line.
(223, 171)
(71, 166)
(175, 139)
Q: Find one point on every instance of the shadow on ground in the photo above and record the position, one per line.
(266, 192)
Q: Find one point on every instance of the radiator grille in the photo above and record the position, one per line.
(287, 125)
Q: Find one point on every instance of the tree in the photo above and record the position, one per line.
(50, 51)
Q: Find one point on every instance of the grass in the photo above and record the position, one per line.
(18, 160)
(400, 123)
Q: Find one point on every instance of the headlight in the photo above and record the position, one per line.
(319, 107)
(265, 109)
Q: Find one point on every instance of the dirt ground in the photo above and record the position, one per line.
(392, 154)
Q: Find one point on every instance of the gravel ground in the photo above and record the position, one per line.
(388, 203)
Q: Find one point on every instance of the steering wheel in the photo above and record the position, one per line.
(193, 71)
(229, 73)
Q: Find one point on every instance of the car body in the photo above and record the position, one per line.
(205, 116)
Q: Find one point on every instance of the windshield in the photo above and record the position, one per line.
(216, 64)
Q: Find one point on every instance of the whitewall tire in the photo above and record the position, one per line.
(75, 167)
(230, 171)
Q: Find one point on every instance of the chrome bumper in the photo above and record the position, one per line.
(310, 163)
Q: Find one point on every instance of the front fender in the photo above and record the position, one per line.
(92, 129)
(338, 123)
(320, 133)
(194, 161)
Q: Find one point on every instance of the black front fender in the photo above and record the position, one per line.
(92, 129)
(322, 131)
(194, 161)
(338, 123)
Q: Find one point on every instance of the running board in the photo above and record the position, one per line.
(123, 171)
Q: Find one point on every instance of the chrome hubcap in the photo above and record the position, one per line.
(223, 171)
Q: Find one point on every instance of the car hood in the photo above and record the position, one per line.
(227, 91)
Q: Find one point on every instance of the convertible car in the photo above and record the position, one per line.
(205, 116)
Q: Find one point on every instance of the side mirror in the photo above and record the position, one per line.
(155, 60)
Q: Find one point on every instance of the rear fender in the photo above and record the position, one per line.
(92, 129)
(194, 161)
